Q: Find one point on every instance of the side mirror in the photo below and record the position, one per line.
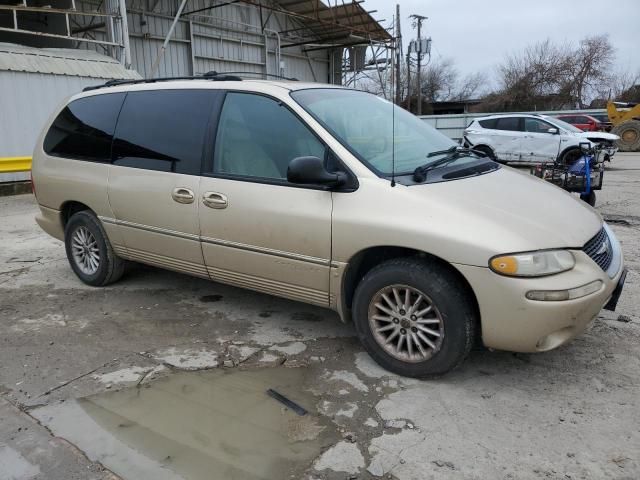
(311, 171)
(552, 131)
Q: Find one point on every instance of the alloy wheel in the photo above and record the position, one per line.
(406, 323)
(85, 250)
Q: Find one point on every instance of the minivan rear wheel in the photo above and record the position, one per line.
(89, 252)
(414, 317)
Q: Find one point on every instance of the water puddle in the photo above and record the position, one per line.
(217, 424)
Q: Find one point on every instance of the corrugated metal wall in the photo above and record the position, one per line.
(226, 38)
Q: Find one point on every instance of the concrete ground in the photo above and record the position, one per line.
(570, 413)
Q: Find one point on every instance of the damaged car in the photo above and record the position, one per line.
(533, 138)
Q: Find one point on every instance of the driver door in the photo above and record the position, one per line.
(257, 230)
(538, 145)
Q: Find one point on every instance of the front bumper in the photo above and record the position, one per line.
(606, 153)
(512, 322)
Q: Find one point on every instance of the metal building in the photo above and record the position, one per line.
(60, 46)
(33, 82)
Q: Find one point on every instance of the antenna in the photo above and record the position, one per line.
(395, 80)
(393, 145)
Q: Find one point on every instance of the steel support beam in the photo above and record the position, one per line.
(156, 63)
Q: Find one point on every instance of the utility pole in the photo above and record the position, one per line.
(398, 56)
(417, 20)
(408, 79)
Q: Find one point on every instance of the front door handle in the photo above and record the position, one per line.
(182, 195)
(215, 200)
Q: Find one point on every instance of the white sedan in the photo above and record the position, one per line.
(532, 138)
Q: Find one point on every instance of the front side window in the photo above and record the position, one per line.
(163, 130)
(534, 125)
(377, 132)
(564, 125)
(84, 129)
(510, 124)
(258, 137)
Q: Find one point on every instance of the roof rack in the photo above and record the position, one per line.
(213, 76)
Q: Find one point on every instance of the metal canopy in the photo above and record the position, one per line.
(321, 24)
(347, 18)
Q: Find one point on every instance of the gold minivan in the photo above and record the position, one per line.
(328, 196)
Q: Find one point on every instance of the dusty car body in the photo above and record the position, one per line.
(327, 196)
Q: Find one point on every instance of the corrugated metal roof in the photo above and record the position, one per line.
(329, 23)
(62, 61)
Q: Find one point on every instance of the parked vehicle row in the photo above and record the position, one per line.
(586, 123)
(332, 197)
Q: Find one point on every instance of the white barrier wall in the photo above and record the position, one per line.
(453, 125)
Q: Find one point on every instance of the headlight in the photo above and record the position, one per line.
(533, 264)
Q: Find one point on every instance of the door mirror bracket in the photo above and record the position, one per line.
(311, 171)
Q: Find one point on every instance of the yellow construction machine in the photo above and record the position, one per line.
(625, 118)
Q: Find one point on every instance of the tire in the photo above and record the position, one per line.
(571, 156)
(85, 238)
(590, 198)
(629, 133)
(452, 315)
(487, 151)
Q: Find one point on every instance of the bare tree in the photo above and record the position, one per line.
(622, 86)
(552, 76)
(539, 71)
(472, 86)
(590, 67)
(439, 80)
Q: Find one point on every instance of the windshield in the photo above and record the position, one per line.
(363, 123)
(564, 125)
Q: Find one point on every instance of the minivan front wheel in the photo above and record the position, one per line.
(414, 318)
(89, 252)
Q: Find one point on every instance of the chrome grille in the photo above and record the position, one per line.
(599, 249)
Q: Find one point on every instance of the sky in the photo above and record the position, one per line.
(478, 34)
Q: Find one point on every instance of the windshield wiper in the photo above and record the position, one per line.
(442, 152)
(453, 153)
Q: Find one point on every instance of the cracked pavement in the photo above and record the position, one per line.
(570, 413)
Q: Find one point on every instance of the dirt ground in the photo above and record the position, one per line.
(75, 359)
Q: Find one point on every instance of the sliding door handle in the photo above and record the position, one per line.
(182, 195)
(215, 200)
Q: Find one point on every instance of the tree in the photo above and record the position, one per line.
(552, 76)
(590, 67)
(472, 86)
(538, 72)
(438, 80)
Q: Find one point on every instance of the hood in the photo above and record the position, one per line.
(503, 212)
(599, 136)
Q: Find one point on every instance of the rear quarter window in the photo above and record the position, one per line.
(83, 130)
(489, 123)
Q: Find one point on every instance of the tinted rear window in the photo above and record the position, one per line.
(84, 129)
(508, 123)
(163, 130)
(489, 123)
